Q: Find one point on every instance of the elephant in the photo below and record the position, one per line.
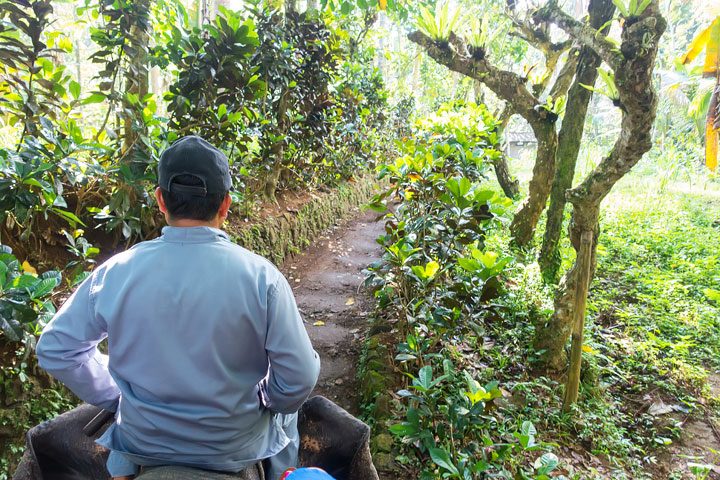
(330, 438)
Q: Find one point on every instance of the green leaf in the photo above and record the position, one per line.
(425, 377)
(94, 98)
(469, 264)
(404, 429)
(24, 281)
(442, 459)
(528, 428)
(43, 288)
(428, 271)
(712, 294)
(11, 329)
(69, 216)
(641, 8)
(620, 4)
(74, 89)
(546, 463)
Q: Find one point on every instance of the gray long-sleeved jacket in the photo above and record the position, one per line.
(195, 324)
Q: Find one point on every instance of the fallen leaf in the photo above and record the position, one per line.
(350, 301)
(319, 323)
(659, 407)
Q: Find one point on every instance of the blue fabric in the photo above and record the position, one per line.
(207, 350)
(309, 474)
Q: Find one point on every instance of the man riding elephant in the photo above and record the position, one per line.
(208, 360)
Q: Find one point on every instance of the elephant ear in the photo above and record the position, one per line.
(59, 450)
(334, 440)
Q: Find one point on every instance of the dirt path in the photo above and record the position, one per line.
(327, 282)
(699, 443)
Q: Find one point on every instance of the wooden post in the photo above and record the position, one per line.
(583, 279)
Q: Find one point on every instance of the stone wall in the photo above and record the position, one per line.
(276, 237)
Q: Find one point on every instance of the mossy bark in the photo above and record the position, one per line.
(509, 184)
(523, 224)
(511, 87)
(137, 82)
(569, 140)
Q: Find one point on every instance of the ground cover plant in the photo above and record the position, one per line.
(651, 354)
(435, 283)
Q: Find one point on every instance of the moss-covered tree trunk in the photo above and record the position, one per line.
(633, 69)
(523, 224)
(277, 151)
(509, 184)
(569, 140)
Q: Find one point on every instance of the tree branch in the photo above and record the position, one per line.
(552, 51)
(639, 100)
(507, 85)
(581, 32)
(567, 72)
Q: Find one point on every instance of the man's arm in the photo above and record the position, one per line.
(67, 349)
(294, 365)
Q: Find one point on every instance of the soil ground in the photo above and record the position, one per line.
(327, 281)
(698, 443)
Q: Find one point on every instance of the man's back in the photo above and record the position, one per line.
(193, 323)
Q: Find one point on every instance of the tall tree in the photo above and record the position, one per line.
(137, 85)
(472, 61)
(569, 140)
(632, 64)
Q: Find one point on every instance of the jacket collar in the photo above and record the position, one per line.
(193, 234)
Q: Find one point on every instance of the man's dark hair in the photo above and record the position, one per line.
(183, 206)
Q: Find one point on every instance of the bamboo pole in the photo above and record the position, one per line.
(583, 280)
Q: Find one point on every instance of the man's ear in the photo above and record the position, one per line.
(160, 201)
(225, 206)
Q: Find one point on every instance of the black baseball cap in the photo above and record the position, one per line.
(194, 156)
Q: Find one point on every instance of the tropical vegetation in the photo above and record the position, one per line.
(548, 281)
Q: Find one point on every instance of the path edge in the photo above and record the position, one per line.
(279, 236)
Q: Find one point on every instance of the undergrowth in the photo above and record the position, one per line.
(652, 346)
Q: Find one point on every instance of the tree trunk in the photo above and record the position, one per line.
(277, 152)
(633, 68)
(569, 140)
(137, 80)
(572, 386)
(553, 336)
(513, 89)
(523, 224)
(509, 184)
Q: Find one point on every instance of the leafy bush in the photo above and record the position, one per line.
(25, 304)
(436, 279)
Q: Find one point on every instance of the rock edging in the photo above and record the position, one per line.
(278, 236)
(377, 379)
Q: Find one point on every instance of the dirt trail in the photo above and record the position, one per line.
(327, 282)
(698, 443)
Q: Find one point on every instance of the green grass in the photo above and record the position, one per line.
(653, 332)
(657, 258)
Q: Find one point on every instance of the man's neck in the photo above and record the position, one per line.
(185, 223)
